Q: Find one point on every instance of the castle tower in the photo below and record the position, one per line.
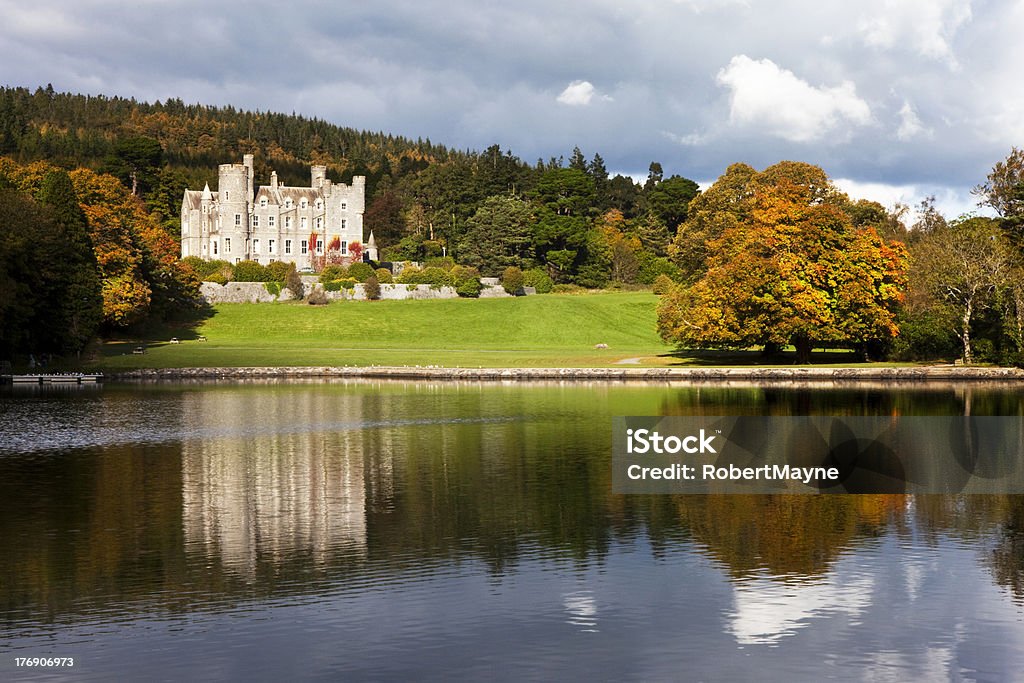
(234, 187)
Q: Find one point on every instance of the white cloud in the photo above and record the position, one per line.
(688, 140)
(925, 26)
(910, 124)
(951, 202)
(774, 100)
(580, 94)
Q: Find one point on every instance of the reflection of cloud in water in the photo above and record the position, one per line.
(934, 664)
(582, 609)
(767, 610)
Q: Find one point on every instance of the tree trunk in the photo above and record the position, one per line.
(965, 334)
(803, 349)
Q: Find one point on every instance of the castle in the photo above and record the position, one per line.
(274, 222)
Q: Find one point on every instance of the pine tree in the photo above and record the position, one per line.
(76, 303)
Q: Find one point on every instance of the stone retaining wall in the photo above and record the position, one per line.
(803, 375)
(256, 292)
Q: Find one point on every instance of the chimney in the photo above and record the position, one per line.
(273, 180)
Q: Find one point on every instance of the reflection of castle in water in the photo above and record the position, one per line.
(283, 477)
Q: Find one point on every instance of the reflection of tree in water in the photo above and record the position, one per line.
(785, 534)
(1007, 557)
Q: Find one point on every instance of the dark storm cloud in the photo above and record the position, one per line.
(915, 94)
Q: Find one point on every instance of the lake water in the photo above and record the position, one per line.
(372, 530)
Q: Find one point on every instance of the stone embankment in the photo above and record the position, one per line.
(796, 374)
(257, 292)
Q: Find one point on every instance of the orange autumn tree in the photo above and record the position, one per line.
(792, 269)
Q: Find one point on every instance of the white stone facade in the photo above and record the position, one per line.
(272, 222)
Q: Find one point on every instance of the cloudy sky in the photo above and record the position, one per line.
(896, 99)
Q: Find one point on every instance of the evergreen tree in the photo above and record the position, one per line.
(74, 306)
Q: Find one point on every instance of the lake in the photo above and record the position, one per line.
(373, 530)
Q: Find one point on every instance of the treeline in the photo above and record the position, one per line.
(79, 254)
(424, 200)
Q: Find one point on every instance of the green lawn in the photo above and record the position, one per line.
(536, 331)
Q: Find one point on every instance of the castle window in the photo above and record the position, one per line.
(304, 247)
(288, 203)
(303, 222)
(255, 221)
(270, 246)
(263, 202)
(287, 246)
(303, 204)
(238, 219)
(227, 245)
(270, 221)
(319, 205)
(255, 246)
(319, 246)
(287, 222)
(344, 223)
(318, 223)
(227, 195)
(344, 247)
(215, 248)
(344, 206)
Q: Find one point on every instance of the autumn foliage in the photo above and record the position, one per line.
(789, 268)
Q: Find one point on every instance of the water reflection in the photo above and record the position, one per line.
(459, 518)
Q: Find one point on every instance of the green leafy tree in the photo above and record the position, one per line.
(136, 161)
(670, 198)
(966, 264)
(498, 235)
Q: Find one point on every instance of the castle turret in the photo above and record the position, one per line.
(247, 162)
(318, 175)
(371, 248)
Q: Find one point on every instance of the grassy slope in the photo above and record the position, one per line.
(542, 331)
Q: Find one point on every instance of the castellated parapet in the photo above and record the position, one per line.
(267, 223)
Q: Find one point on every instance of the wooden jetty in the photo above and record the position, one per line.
(58, 378)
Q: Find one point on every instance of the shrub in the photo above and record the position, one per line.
(372, 288)
(210, 271)
(333, 272)
(512, 280)
(662, 284)
(251, 271)
(410, 274)
(925, 335)
(338, 285)
(216, 277)
(435, 277)
(651, 267)
(384, 275)
(273, 287)
(538, 279)
(278, 270)
(294, 283)
(317, 297)
(442, 262)
(360, 271)
(466, 281)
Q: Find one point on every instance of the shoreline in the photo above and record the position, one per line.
(801, 374)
